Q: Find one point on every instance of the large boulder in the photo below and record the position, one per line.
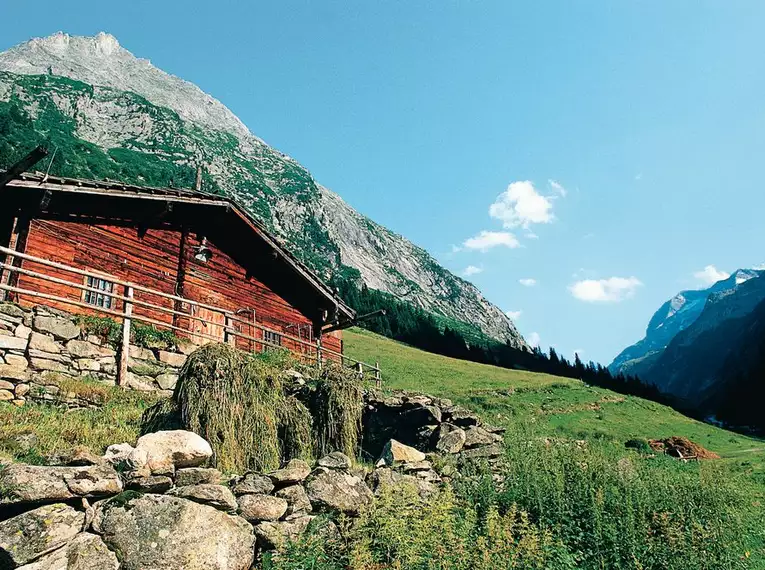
(166, 451)
(85, 552)
(216, 496)
(35, 483)
(294, 472)
(337, 491)
(396, 452)
(28, 536)
(157, 532)
(262, 507)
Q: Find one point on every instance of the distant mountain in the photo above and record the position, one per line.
(705, 350)
(673, 317)
(113, 115)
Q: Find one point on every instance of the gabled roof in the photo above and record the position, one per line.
(109, 200)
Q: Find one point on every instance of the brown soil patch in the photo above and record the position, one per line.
(682, 448)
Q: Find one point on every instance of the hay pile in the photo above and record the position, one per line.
(240, 404)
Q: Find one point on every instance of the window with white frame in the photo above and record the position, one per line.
(272, 338)
(101, 297)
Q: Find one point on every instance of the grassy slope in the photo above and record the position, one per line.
(561, 407)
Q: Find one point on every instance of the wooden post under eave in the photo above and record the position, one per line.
(125, 349)
(228, 336)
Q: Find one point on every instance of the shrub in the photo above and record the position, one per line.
(639, 445)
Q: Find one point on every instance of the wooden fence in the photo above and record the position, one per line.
(217, 324)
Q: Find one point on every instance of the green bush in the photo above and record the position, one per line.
(640, 445)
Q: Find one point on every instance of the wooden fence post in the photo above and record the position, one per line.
(318, 352)
(125, 350)
(378, 378)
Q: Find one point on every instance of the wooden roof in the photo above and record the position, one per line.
(217, 217)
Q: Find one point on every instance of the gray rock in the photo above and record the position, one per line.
(5, 385)
(477, 436)
(150, 484)
(118, 452)
(216, 496)
(421, 416)
(33, 483)
(61, 328)
(139, 383)
(141, 353)
(22, 331)
(28, 536)
(297, 499)
(85, 552)
(6, 395)
(199, 476)
(47, 364)
(170, 533)
(44, 343)
(167, 381)
(262, 507)
(451, 439)
(172, 449)
(396, 452)
(253, 484)
(335, 460)
(337, 491)
(13, 372)
(11, 310)
(484, 452)
(13, 343)
(460, 417)
(173, 359)
(16, 360)
(83, 349)
(294, 472)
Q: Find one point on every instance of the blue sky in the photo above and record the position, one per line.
(461, 125)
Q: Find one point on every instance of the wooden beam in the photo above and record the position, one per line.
(23, 165)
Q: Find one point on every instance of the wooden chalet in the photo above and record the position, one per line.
(183, 260)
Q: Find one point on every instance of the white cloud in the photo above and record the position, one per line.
(530, 235)
(472, 270)
(514, 315)
(528, 282)
(558, 187)
(521, 205)
(710, 274)
(456, 248)
(533, 339)
(611, 290)
(487, 240)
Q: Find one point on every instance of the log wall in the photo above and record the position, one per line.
(162, 259)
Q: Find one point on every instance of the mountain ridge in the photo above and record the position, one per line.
(91, 91)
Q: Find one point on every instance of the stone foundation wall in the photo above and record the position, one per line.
(41, 348)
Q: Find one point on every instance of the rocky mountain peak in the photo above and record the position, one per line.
(101, 61)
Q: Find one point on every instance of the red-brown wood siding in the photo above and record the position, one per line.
(151, 258)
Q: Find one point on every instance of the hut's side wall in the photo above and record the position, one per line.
(152, 258)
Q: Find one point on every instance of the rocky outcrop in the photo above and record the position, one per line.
(159, 531)
(32, 483)
(86, 551)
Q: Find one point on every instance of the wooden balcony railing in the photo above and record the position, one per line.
(149, 306)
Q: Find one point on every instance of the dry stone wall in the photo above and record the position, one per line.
(41, 348)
